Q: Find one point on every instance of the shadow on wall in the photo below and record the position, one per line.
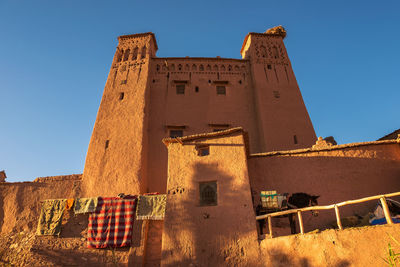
(282, 259)
(224, 234)
(75, 257)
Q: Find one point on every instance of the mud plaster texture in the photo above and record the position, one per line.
(336, 175)
(224, 234)
(361, 247)
(20, 203)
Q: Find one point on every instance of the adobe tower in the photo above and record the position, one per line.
(147, 98)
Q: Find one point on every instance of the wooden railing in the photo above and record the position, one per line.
(333, 206)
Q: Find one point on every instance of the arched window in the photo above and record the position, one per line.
(179, 67)
(237, 68)
(134, 53)
(263, 51)
(208, 68)
(229, 68)
(126, 54)
(187, 67)
(119, 55)
(158, 67)
(222, 68)
(143, 52)
(275, 52)
(215, 68)
(172, 68)
(201, 68)
(194, 67)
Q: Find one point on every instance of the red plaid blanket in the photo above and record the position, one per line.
(111, 224)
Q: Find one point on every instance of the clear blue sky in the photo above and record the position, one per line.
(55, 57)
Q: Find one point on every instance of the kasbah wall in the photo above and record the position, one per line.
(249, 117)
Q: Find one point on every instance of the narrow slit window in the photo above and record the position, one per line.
(175, 133)
(143, 54)
(196, 89)
(180, 89)
(121, 95)
(221, 90)
(107, 144)
(295, 139)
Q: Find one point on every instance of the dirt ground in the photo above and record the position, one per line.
(69, 249)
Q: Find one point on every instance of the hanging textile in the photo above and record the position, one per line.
(111, 224)
(51, 217)
(151, 207)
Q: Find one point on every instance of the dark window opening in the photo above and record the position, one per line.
(134, 53)
(180, 89)
(196, 89)
(208, 194)
(107, 143)
(218, 130)
(269, 67)
(277, 94)
(295, 139)
(143, 52)
(240, 81)
(126, 55)
(203, 150)
(221, 90)
(120, 54)
(175, 133)
(123, 82)
(121, 95)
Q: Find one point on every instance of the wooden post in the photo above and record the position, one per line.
(386, 210)
(339, 223)
(300, 222)
(270, 226)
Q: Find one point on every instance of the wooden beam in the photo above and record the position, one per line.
(270, 227)
(339, 223)
(386, 210)
(300, 222)
(344, 203)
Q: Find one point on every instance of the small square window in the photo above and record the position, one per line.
(221, 90)
(208, 193)
(269, 67)
(175, 133)
(203, 150)
(180, 89)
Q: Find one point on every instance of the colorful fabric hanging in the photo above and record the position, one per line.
(112, 222)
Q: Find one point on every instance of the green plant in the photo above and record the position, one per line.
(393, 258)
